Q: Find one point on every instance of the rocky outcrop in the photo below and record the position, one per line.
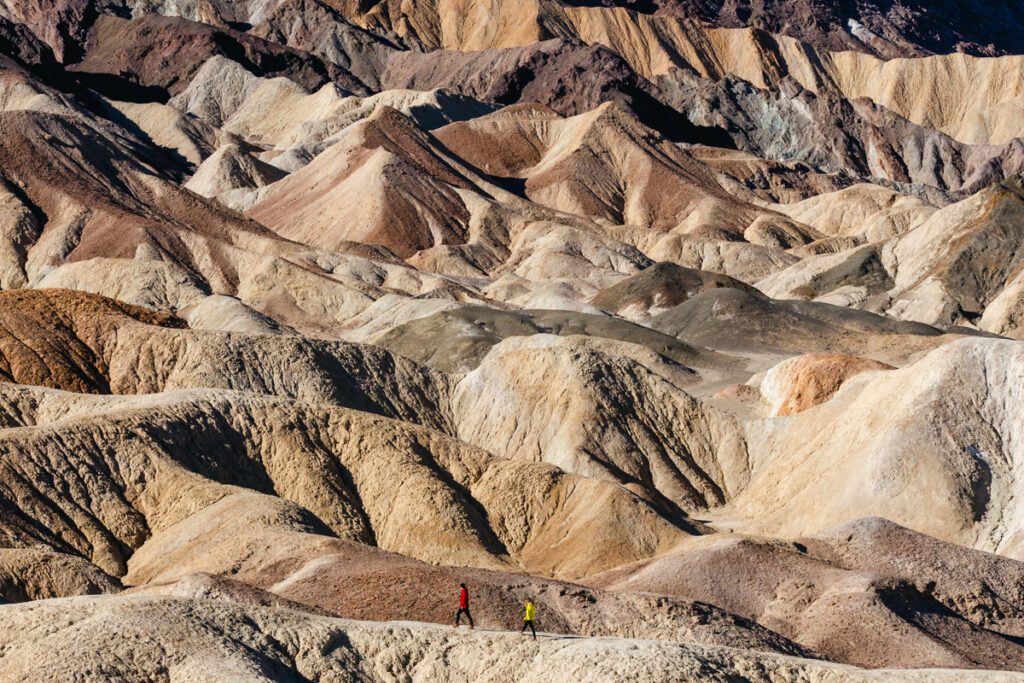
(88, 344)
(41, 574)
(61, 24)
(229, 169)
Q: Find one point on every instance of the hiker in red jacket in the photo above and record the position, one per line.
(463, 606)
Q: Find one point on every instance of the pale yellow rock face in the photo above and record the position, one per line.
(39, 574)
(227, 171)
(481, 24)
(971, 99)
(958, 264)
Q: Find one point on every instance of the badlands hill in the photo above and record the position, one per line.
(699, 325)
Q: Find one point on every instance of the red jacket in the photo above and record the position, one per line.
(463, 598)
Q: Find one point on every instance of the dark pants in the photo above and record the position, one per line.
(529, 622)
(460, 612)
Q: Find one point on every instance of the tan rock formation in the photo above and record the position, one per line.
(611, 418)
(800, 383)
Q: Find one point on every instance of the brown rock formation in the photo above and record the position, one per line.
(160, 55)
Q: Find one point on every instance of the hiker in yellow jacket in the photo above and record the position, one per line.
(529, 617)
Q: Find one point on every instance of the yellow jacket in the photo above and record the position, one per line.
(531, 611)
